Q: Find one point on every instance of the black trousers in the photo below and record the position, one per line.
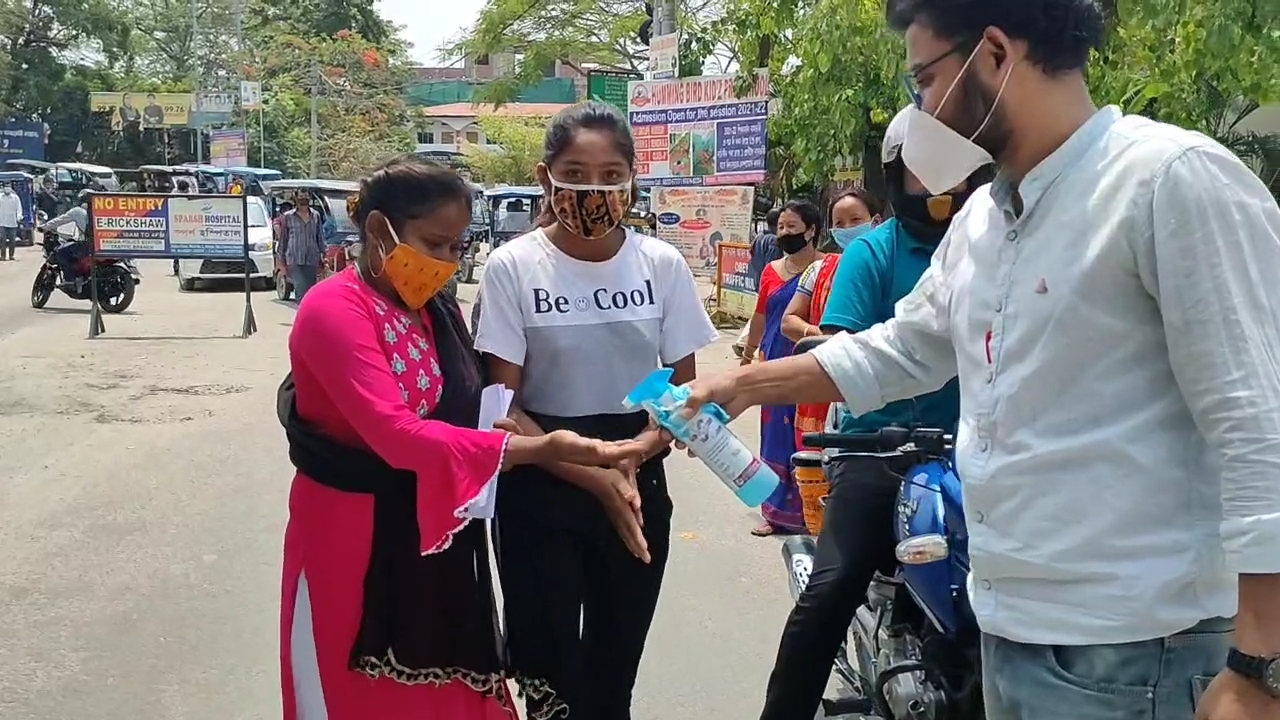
(857, 539)
(577, 604)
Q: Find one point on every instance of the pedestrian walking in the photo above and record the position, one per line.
(1119, 365)
(10, 219)
(387, 606)
(301, 248)
(576, 314)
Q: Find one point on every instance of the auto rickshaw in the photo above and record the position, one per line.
(211, 175)
(477, 234)
(166, 178)
(329, 200)
(254, 178)
(23, 186)
(513, 211)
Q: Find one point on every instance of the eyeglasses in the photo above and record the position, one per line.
(909, 78)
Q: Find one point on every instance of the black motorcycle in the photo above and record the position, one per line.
(115, 283)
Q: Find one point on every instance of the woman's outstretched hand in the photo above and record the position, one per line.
(569, 447)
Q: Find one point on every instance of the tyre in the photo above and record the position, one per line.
(283, 290)
(115, 289)
(467, 269)
(186, 284)
(42, 289)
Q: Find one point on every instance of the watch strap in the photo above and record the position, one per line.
(1250, 666)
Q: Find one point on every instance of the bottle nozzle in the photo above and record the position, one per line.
(651, 389)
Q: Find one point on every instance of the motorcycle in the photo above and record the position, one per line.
(915, 642)
(115, 282)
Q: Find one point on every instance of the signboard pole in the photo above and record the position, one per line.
(96, 326)
(250, 325)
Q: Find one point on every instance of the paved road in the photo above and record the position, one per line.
(143, 481)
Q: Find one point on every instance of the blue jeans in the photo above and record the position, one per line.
(1158, 679)
(303, 278)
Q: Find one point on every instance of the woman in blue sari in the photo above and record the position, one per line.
(798, 226)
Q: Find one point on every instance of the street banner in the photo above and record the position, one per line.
(735, 288)
(664, 57)
(143, 109)
(214, 108)
(696, 220)
(250, 95)
(697, 131)
(21, 140)
(228, 148)
(137, 225)
(610, 87)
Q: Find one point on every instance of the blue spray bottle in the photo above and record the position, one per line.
(708, 436)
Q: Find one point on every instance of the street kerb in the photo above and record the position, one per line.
(169, 227)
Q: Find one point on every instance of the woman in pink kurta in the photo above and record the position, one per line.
(387, 605)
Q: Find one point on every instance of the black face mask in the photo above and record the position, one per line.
(925, 217)
(792, 244)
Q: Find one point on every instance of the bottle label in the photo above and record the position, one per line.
(721, 450)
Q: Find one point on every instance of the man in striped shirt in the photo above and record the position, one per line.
(301, 246)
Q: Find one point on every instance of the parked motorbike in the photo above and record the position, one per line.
(116, 285)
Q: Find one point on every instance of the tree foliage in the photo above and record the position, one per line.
(518, 151)
(53, 53)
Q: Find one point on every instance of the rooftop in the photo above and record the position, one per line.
(460, 110)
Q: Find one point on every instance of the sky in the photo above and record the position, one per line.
(431, 24)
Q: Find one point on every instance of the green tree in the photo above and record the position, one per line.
(514, 149)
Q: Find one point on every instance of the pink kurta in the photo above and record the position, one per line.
(368, 376)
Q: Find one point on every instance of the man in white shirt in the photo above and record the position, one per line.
(1107, 306)
(10, 218)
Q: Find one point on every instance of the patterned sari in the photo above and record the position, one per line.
(812, 417)
(783, 509)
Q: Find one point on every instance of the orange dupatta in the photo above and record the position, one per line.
(812, 417)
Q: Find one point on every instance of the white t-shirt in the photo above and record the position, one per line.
(586, 333)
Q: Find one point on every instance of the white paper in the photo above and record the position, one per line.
(495, 402)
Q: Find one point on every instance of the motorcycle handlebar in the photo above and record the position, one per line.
(883, 440)
(804, 345)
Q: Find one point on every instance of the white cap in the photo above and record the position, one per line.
(895, 135)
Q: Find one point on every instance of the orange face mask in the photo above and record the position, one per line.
(416, 276)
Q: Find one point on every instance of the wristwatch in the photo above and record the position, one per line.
(1265, 671)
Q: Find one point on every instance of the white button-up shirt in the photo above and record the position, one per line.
(1118, 349)
(10, 209)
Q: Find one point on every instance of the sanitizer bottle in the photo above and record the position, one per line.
(707, 435)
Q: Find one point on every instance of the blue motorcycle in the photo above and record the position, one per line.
(914, 642)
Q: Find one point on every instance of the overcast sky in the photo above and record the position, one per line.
(431, 24)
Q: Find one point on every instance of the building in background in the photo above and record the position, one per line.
(444, 129)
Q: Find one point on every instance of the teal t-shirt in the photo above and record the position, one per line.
(875, 272)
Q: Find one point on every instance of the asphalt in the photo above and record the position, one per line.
(143, 484)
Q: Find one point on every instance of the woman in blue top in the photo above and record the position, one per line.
(876, 270)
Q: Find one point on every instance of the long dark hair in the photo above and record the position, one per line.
(590, 115)
(405, 189)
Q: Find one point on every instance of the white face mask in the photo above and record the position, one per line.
(939, 156)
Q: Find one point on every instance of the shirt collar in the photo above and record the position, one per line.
(1042, 176)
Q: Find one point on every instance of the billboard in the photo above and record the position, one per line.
(697, 131)
(168, 226)
(143, 109)
(664, 56)
(214, 108)
(21, 140)
(735, 288)
(228, 148)
(610, 87)
(250, 95)
(697, 219)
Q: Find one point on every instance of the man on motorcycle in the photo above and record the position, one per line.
(70, 251)
(857, 539)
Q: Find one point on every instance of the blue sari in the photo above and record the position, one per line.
(783, 509)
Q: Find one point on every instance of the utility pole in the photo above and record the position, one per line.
(665, 16)
(315, 121)
(195, 84)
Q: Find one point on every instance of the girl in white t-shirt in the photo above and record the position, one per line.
(575, 314)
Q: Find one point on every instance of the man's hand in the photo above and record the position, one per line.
(720, 389)
(1232, 697)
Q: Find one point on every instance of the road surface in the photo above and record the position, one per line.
(143, 480)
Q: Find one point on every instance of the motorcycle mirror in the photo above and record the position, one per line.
(922, 549)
